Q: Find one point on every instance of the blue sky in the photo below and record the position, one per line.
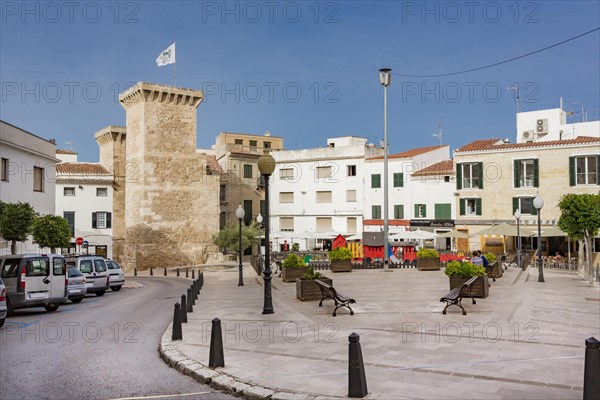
(303, 70)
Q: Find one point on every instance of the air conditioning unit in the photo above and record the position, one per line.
(541, 126)
(528, 136)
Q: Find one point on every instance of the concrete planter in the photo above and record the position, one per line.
(428, 264)
(497, 270)
(307, 289)
(341, 266)
(481, 287)
(290, 274)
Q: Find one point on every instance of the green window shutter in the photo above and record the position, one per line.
(416, 213)
(478, 207)
(517, 173)
(398, 212)
(515, 204)
(442, 211)
(480, 175)
(571, 171)
(536, 173)
(424, 210)
(398, 180)
(462, 202)
(375, 181)
(459, 176)
(401, 211)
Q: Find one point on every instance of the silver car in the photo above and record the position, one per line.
(95, 271)
(3, 308)
(76, 287)
(117, 277)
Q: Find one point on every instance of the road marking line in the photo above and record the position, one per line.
(161, 396)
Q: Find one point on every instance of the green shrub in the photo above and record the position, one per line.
(491, 257)
(296, 247)
(427, 253)
(464, 269)
(340, 254)
(293, 261)
(311, 274)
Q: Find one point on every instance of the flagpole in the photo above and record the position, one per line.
(175, 64)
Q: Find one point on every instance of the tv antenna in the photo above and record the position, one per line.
(440, 128)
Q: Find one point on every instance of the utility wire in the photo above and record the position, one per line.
(500, 62)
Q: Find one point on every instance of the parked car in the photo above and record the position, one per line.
(95, 271)
(3, 309)
(34, 280)
(117, 277)
(76, 286)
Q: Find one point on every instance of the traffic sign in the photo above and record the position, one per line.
(85, 243)
(79, 241)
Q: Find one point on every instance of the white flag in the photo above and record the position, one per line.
(167, 56)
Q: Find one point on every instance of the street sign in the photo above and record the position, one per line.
(85, 243)
(79, 241)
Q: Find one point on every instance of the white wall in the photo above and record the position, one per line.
(558, 128)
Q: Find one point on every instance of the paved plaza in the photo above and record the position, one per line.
(525, 341)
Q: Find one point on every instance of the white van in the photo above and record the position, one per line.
(94, 269)
(34, 280)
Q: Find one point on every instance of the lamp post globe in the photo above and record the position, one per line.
(259, 219)
(266, 166)
(518, 217)
(240, 214)
(538, 203)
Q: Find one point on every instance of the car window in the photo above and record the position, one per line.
(37, 267)
(10, 269)
(112, 265)
(58, 266)
(74, 272)
(100, 265)
(85, 266)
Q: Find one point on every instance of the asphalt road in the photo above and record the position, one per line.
(103, 348)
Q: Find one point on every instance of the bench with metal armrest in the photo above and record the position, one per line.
(455, 296)
(341, 300)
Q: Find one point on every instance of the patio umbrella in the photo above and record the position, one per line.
(454, 234)
(551, 232)
(503, 230)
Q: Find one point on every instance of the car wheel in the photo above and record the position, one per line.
(100, 293)
(51, 307)
(77, 299)
(116, 288)
(2, 322)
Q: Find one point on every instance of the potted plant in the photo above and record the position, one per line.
(307, 289)
(497, 269)
(428, 260)
(340, 259)
(293, 267)
(461, 271)
(296, 247)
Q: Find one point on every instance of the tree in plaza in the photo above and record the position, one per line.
(580, 219)
(16, 220)
(51, 231)
(229, 237)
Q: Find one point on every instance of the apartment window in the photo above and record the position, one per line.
(323, 172)
(375, 181)
(526, 173)
(247, 171)
(223, 193)
(351, 170)
(351, 196)
(286, 224)
(267, 145)
(253, 143)
(323, 197)
(69, 191)
(398, 211)
(38, 179)
(101, 192)
(351, 225)
(446, 178)
(222, 220)
(443, 211)
(4, 172)
(324, 224)
(470, 206)
(584, 170)
(376, 212)
(286, 197)
(469, 175)
(101, 220)
(248, 212)
(420, 211)
(286, 173)
(239, 141)
(525, 204)
(70, 217)
(398, 179)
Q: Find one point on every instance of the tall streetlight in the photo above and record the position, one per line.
(266, 166)
(240, 214)
(385, 78)
(259, 220)
(538, 203)
(518, 217)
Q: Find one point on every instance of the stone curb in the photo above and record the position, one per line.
(216, 379)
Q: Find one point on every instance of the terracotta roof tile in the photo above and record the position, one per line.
(81, 168)
(489, 144)
(63, 151)
(411, 153)
(440, 168)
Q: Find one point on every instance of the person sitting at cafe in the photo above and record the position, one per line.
(476, 260)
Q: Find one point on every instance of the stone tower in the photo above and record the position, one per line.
(112, 156)
(171, 204)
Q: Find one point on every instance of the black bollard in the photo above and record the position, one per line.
(151, 271)
(165, 273)
(215, 358)
(193, 274)
(197, 289)
(591, 372)
(177, 334)
(357, 380)
(201, 277)
(192, 296)
(177, 271)
(183, 309)
(135, 272)
(187, 273)
(189, 302)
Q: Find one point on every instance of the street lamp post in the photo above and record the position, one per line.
(266, 166)
(259, 220)
(240, 214)
(385, 78)
(538, 203)
(518, 217)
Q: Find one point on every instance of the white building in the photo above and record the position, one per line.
(317, 192)
(84, 194)
(27, 174)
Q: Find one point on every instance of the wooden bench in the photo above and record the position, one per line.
(328, 292)
(490, 270)
(455, 296)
